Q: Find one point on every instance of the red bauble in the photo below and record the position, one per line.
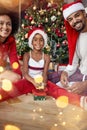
(26, 16)
(30, 18)
(58, 45)
(20, 57)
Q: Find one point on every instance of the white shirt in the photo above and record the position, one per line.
(35, 67)
(80, 53)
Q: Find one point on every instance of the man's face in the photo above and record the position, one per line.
(77, 20)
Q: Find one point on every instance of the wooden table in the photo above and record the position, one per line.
(23, 113)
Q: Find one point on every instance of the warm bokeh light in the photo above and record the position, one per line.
(11, 127)
(0, 96)
(13, 5)
(1, 69)
(15, 65)
(6, 85)
(38, 79)
(62, 101)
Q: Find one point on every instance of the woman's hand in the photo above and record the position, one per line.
(8, 74)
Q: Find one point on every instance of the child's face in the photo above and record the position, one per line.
(5, 26)
(38, 42)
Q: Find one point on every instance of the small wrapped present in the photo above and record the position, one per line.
(39, 94)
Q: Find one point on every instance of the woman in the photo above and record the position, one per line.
(8, 27)
(9, 65)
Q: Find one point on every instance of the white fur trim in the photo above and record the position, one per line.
(73, 8)
(33, 34)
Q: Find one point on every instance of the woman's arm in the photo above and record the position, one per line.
(13, 55)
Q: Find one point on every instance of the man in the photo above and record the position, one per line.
(76, 28)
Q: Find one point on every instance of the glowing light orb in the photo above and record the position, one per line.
(38, 79)
(1, 69)
(6, 85)
(62, 101)
(13, 5)
(11, 127)
(0, 96)
(15, 65)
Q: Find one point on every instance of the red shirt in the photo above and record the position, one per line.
(8, 50)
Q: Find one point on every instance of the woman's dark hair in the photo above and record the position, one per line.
(14, 18)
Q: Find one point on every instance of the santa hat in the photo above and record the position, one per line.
(35, 31)
(70, 8)
(72, 34)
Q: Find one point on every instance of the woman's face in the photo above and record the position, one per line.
(5, 26)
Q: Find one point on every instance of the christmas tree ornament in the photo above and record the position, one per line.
(22, 25)
(53, 18)
(46, 20)
(32, 22)
(41, 12)
(30, 18)
(48, 29)
(26, 17)
(34, 7)
(26, 35)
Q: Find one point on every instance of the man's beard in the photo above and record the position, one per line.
(80, 29)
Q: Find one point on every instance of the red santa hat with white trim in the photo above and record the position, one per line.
(35, 31)
(72, 34)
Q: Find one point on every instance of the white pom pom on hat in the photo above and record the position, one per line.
(70, 8)
(35, 31)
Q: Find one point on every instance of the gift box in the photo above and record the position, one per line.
(39, 94)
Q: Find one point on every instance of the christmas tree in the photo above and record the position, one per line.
(47, 16)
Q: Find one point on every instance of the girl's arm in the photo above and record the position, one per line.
(46, 67)
(25, 69)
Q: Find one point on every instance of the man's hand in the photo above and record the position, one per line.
(78, 87)
(64, 79)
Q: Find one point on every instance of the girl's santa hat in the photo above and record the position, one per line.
(35, 31)
(72, 34)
